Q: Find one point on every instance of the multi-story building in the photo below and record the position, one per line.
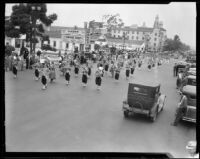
(152, 37)
(66, 38)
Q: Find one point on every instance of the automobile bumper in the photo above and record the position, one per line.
(134, 110)
(189, 119)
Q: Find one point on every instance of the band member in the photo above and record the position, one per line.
(139, 64)
(112, 69)
(84, 77)
(76, 68)
(44, 80)
(106, 66)
(127, 70)
(14, 70)
(132, 68)
(149, 65)
(52, 74)
(98, 79)
(89, 66)
(67, 76)
(37, 73)
(117, 72)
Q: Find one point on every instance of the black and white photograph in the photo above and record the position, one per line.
(101, 77)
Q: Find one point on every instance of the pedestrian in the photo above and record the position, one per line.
(76, 68)
(37, 73)
(174, 70)
(84, 77)
(181, 109)
(6, 63)
(179, 81)
(44, 80)
(117, 72)
(67, 76)
(14, 70)
(98, 78)
(192, 149)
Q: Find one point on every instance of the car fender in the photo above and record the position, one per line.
(163, 96)
(153, 110)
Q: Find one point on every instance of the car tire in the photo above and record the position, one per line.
(153, 119)
(126, 114)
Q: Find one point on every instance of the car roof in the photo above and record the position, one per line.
(145, 83)
(192, 69)
(189, 89)
(192, 77)
(181, 63)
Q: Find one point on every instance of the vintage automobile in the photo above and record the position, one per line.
(190, 114)
(191, 80)
(142, 98)
(191, 72)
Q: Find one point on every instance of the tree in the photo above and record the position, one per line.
(97, 47)
(9, 49)
(113, 21)
(27, 19)
(175, 45)
(113, 50)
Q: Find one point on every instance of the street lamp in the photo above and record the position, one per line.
(124, 37)
(35, 10)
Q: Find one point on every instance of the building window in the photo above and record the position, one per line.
(114, 36)
(118, 36)
(154, 44)
(142, 38)
(155, 34)
(137, 38)
(67, 45)
(128, 32)
(137, 32)
(132, 32)
(132, 37)
(114, 31)
(54, 44)
(155, 39)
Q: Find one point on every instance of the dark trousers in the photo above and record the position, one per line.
(27, 63)
(174, 71)
(179, 115)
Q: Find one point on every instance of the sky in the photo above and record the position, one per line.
(177, 17)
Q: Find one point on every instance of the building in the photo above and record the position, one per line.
(152, 37)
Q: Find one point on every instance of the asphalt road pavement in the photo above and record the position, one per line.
(76, 119)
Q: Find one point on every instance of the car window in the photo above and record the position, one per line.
(192, 97)
(140, 90)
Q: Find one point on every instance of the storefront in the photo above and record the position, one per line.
(74, 39)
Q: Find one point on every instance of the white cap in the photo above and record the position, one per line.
(191, 145)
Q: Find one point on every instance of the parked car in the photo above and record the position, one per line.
(142, 98)
(190, 72)
(190, 114)
(191, 80)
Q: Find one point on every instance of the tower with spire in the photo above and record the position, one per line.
(156, 22)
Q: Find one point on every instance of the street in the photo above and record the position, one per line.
(76, 119)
